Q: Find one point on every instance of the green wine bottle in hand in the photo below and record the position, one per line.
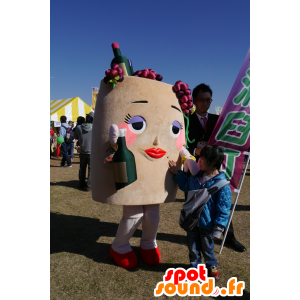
(123, 163)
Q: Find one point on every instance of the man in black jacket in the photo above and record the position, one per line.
(83, 133)
(201, 126)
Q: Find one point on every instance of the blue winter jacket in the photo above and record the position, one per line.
(216, 211)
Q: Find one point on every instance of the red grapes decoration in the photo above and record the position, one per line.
(148, 73)
(183, 94)
(113, 75)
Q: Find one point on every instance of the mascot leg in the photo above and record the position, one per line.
(148, 249)
(120, 249)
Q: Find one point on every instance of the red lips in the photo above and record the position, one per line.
(155, 152)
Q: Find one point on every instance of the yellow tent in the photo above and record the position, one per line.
(72, 108)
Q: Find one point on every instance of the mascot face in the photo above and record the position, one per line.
(150, 112)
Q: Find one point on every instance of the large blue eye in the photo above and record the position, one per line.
(137, 124)
(175, 129)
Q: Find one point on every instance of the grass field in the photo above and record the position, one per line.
(82, 231)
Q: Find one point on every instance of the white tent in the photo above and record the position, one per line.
(72, 108)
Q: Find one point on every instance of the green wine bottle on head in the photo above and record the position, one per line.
(124, 63)
(123, 163)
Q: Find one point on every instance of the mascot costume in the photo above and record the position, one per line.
(138, 127)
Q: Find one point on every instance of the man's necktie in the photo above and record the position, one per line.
(204, 122)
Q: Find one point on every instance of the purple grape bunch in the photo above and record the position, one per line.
(148, 73)
(112, 73)
(183, 94)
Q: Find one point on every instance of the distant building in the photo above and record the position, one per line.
(218, 110)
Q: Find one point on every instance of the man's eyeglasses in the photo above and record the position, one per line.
(202, 101)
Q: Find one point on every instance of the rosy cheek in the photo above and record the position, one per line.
(180, 140)
(130, 136)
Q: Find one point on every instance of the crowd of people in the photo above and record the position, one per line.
(79, 137)
(201, 238)
(201, 128)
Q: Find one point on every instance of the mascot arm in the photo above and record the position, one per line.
(189, 162)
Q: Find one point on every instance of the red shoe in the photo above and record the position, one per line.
(213, 272)
(150, 257)
(126, 261)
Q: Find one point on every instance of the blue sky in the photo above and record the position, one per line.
(193, 41)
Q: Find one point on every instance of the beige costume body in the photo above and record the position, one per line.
(154, 184)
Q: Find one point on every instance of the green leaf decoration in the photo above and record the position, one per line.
(187, 131)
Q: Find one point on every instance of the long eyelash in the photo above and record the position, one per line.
(180, 125)
(127, 118)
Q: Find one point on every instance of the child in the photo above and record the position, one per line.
(214, 217)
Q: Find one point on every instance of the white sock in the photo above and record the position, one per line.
(150, 226)
(132, 218)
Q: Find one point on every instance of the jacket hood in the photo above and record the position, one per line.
(87, 127)
(221, 175)
(212, 180)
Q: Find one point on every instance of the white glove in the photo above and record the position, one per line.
(114, 134)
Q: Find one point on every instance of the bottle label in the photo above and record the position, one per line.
(120, 172)
(123, 67)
